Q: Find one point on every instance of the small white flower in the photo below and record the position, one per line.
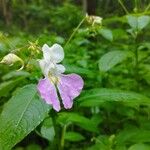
(51, 57)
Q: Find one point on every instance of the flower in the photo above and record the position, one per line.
(69, 86)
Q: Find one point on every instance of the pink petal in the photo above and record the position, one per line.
(69, 87)
(48, 92)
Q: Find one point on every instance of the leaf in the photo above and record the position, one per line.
(143, 21)
(132, 135)
(47, 129)
(110, 59)
(138, 23)
(133, 21)
(139, 147)
(21, 114)
(78, 70)
(33, 147)
(17, 74)
(83, 122)
(74, 136)
(96, 97)
(7, 86)
(107, 34)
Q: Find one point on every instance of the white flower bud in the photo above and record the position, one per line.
(94, 20)
(11, 58)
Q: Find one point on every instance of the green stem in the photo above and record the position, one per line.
(123, 6)
(74, 32)
(62, 142)
(136, 73)
(55, 143)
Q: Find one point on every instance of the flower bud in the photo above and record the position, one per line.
(94, 20)
(11, 58)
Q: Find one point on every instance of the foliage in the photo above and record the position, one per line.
(112, 112)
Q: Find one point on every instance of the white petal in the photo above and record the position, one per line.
(57, 53)
(44, 67)
(60, 69)
(48, 68)
(46, 52)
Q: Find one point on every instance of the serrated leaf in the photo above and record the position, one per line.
(96, 97)
(110, 59)
(21, 114)
(107, 34)
(74, 136)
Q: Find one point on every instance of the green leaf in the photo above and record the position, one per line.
(22, 114)
(15, 74)
(73, 136)
(110, 59)
(78, 70)
(138, 23)
(132, 135)
(96, 97)
(133, 21)
(33, 147)
(83, 122)
(107, 34)
(47, 129)
(7, 86)
(143, 21)
(139, 147)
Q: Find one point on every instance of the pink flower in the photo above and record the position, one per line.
(69, 86)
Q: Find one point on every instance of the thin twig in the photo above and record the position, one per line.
(76, 29)
(124, 8)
